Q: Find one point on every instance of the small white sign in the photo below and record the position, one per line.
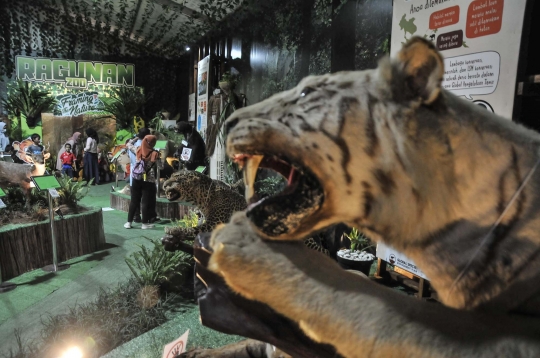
(54, 193)
(396, 258)
(2, 204)
(176, 347)
(107, 209)
(184, 142)
(186, 154)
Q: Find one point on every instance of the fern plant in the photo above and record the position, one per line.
(155, 266)
(29, 101)
(72, 192)
(189, 220)
(125, 103)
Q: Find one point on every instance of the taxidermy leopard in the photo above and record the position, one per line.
(388, 150)
(216, 200)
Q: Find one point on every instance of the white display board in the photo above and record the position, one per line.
(217, 162)
(396, 258)
(191, 108)
(479, 40)
(202, 94)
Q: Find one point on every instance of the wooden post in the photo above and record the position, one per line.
(381, 268)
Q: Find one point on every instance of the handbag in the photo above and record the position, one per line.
(138, 170)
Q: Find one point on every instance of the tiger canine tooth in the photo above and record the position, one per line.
(250, 172)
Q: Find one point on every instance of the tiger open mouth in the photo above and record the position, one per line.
(283, 212)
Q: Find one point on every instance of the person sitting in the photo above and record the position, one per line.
(75, 142)
(36, 147)
(13, 153)
(68, 161)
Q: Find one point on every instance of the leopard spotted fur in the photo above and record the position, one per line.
(216, 200)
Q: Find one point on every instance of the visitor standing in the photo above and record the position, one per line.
(136, 142)
(91, 170)
(143, 188)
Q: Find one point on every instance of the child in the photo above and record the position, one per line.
(36, 147)
(68, 160)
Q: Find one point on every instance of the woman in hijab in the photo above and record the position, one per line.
(91, 169)
(74, 140)
(144, 184)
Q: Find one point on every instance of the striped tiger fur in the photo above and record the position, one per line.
(391, 152)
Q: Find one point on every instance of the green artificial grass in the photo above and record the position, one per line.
(40, 294)
(151, 343)
(35, 285)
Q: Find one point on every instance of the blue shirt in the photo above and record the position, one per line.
(133, 158)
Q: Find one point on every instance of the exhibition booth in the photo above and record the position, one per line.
(194, 112)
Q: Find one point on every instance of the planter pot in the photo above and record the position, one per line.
(362, 266)
(26, 247)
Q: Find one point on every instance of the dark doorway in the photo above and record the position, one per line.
(527, 103)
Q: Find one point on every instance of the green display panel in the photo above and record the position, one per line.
(46, 182)
(2, 193)
(160, 144)
(200, 169)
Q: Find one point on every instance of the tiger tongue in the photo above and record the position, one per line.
(250, 172)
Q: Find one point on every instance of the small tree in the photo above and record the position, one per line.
(28, 101)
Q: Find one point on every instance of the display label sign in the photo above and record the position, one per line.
(396, 258)
(45, 182)
(54, 193)
(176, 347)
(186, 154)
(160, 144)
(74, 74)
(75, 104)
(478, 39)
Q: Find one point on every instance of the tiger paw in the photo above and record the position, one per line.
(249, 264)
(175, 243)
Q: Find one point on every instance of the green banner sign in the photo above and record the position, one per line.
(74, 104)
(75, 74)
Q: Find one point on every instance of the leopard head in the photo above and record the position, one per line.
(325, 136)
(186, 185)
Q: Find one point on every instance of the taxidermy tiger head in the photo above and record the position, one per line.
(338, 139)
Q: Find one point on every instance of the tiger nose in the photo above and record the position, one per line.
(230, 124)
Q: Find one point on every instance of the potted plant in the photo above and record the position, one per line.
(125, 104)
(357, 257)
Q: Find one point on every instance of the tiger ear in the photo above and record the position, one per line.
(417, 71)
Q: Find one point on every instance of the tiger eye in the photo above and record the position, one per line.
(306, 91)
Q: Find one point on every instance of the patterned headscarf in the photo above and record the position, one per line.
(146, 150)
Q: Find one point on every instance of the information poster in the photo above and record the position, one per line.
(479, 40)
(191, 108)
(202, 94)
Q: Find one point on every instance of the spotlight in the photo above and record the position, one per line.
(188, 48)
(73, 352)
